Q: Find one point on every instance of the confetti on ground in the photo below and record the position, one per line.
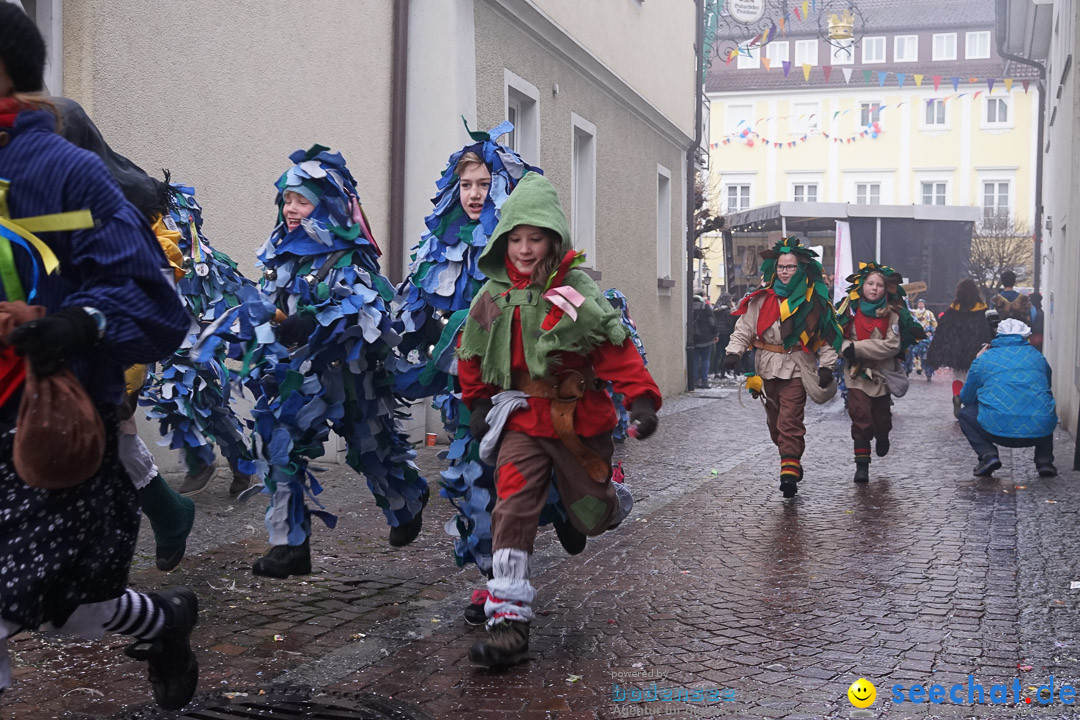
(573, 678)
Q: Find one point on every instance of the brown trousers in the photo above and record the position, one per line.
(522, 480)
(871, 417)
(784, 410)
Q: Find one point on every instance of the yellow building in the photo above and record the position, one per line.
(775, 138)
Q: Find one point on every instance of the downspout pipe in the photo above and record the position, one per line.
(691, 173)
(1001, 33)
(399, 76)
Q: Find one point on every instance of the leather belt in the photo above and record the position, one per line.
(762, 345)
(564, 390)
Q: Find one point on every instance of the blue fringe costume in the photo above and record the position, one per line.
(191, 398)
(338, 379)
(433, 302)
(619, 302)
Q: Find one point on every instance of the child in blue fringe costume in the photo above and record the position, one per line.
(321, 270)
(192, 400)
(433, 302)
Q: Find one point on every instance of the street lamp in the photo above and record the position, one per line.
(706, 279)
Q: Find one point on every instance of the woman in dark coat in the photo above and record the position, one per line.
(65, 553)
(961, 333)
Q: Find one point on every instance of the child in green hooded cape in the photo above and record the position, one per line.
(538, 345)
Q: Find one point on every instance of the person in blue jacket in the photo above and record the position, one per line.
(97, 272)
(1007, 401)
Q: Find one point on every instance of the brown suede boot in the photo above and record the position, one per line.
(507, 645)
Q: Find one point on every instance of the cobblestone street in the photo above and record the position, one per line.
(925, 576)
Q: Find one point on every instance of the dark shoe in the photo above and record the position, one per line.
(862, 472)
(405, 533)
(881, 447)
(572, 539)
(174, 671)
(474, 611)
(240, 483)
(1046, 470)
(956, 406)
(987, 466)
(166, 558)
(195, 484)
(789, 486)
(283, 561)
(507, 644)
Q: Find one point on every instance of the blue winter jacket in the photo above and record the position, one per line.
(1011, 384)
(115, 267)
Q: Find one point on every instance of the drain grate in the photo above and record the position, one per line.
(286, 704)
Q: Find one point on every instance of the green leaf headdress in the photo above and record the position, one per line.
(910, 329)
(806, 313)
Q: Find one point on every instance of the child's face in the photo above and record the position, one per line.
(297, 207)
(526, 247)
(473, 185)
(873, 287)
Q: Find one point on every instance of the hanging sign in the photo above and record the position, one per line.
(746, 11)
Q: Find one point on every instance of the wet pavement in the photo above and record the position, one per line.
(714, 587)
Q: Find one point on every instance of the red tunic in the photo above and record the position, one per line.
(594, 414)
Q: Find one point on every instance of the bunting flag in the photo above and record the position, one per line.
(806, 8)
(806, 72)
(918, 80)
(937, 82)
(767, 63)
(1026, 84)
(1008, 85)
(973, 80)
(990, 86)
(977, 94)
(955, 84)
(866, 77)
(787, 67)
(827, 69)
(730, 57)
(749, 137)
(900, 78)
(881, 76)
(797, 15)
(782, 26)
(847, 75)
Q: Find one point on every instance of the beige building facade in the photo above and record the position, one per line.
(602, 95)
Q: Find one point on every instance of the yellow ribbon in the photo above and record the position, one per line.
(48, 257)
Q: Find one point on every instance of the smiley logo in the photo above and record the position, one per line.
(862, 693)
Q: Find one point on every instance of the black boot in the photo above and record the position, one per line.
(789, 485)
(862, 472)
(881, 446)
(475, 612)
(987, 465)
(174, 671)
(405, 533)
(284, 560)
(572, 539)
(1046, 469)
(507, 644)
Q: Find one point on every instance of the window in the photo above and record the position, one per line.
(663, 222)
(935, 113)
(997, 111)
(522, 109)
(906, 48)
(869, 113)
(583, 187)
(805, 192)
(748, 58)
(995, 199)
(805, 52)
(977, 45)
(933, 193)
(945, 46)
(843, 53)
(868, 193)
(737, 117)
(804, 118)
(873, 50)
(778, 52)
(48, 16)
(738, 198)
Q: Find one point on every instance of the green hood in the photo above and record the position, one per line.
(533, 202)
